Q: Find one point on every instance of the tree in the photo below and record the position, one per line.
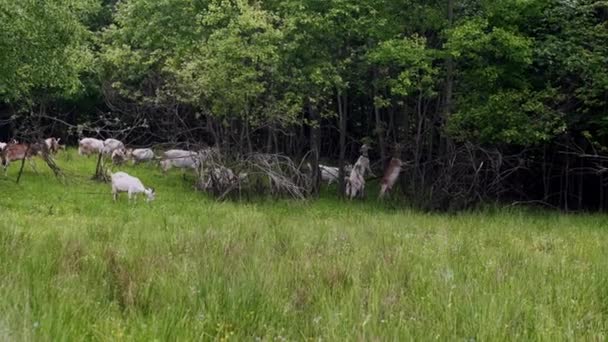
(235, 71)
(44, 48)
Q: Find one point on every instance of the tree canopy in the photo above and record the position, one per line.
(294, 75)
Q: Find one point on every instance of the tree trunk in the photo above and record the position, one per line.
(314, 148)
(242, 136)
(446, 144)
(403, 135)
(379, 124)
(211, 128)
(342, 107)
(392, 129)
(249, 146)
(224, 138)
(269, 139)
(276, 141)
(449, 70)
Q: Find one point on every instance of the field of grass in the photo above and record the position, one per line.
(76, 266)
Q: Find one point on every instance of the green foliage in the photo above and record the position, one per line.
(529, 71)
(222, 57)
(492, 57)
(44, 47)
(145, 37)
(236, 68)
(521, 72)
(572, 53)
(519, 117)
(413, 63)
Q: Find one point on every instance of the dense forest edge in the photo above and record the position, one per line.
(484, 101)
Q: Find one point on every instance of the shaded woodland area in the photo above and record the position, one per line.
(491, 100)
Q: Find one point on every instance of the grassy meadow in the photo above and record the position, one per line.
(76, 266)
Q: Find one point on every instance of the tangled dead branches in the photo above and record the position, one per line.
(462, 177)
(253, 174)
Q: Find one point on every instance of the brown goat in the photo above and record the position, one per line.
(390, 176)
(392, 172)
(14, 152)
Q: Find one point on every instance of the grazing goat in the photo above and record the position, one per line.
(123, 182)
(52, 144)
(118, 156)
(222, 177)
(330, 174)
(88, 146)
(139, 155)
(355, 183)
(179, 158)
(111, 145)
(12, 152)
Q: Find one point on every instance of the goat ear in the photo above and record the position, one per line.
(58, 140)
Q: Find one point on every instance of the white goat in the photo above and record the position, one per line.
(179, 158)
(223, 176)
(88, 146)
(355, 183)
(330, 174)
(123, 182)
(52, 144)
(118, 156)
(110, 145)
(139, 155)
(2, 145)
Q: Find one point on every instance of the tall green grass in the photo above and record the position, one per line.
(74, 265)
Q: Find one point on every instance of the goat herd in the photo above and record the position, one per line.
(184, 159)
